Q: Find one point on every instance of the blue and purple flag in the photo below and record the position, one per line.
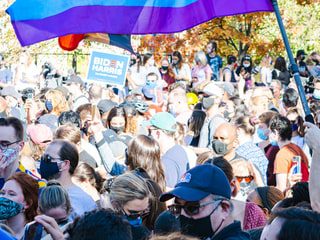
(38, 20)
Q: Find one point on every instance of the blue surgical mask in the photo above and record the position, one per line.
(135, 222)
(261, 134)
(294, 127)
(274, 143)
(48, 105)
(151, 84)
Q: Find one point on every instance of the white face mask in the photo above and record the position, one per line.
(316, 94)
(246, 65)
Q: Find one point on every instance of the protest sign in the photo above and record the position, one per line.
(108, 68)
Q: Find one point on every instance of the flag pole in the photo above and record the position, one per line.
(294, 66)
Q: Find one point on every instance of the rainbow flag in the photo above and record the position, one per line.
(38, 20)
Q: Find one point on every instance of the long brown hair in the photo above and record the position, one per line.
(30, 190)
(144, 152)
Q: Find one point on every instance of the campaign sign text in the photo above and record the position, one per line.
(108, 68)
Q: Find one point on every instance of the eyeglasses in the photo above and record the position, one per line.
(4, 145)
(190, 208)
(47, 158)
(133, 215)
(247, 179)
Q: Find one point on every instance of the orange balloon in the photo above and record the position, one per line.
(70, 42)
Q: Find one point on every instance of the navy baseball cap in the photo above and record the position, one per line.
(198, 183)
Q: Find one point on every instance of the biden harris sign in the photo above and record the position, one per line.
(108, 68)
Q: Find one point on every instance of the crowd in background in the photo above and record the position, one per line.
(213, 150)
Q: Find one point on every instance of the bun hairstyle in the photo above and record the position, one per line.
(246, 124)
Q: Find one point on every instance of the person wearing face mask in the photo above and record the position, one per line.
(11, 144)
(301, 56)
(244, 71)
(210, 103)
(166, 72)
(269, 146)
(316, 92)
(148, 66)
(181, 69)
(202, 205)
(12, 98)
(117, 121)
(129, 196)
(225, 141)
(59, 162)
(19, 202)
(281, 131)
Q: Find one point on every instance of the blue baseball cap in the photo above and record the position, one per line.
(198, 183)
(163, 121)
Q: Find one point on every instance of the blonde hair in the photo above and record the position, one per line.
(201, 57)
(69, 132)
(58, 100)
(179, 134)
(172, 236)
(203, 157)
(144, 152)
(128, 187)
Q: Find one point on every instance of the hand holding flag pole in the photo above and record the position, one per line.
(294, 66)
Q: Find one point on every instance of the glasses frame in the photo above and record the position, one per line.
(42, 158)
(177, 212)
(134, 216)
(240, 177)
(5, 147)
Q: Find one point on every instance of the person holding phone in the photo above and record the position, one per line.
(19, 202)
(54, 202)
(281, 132)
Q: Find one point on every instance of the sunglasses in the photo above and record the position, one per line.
(133, 215)
(247, 179)
(190, 208)
(47, 158)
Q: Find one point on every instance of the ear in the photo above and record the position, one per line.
(225, 209)
(21, 145)
(158, 134)
(266, 211)
(234, 184)
(65, 165)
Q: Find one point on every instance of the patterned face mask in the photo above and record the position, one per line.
(9, 208)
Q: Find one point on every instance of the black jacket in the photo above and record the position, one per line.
(232, 232)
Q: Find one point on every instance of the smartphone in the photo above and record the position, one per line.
(297, 164)
(33, 231)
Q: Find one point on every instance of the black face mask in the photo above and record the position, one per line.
(200, 228)
(164, 68)
(117, 129)
(133, 62)
(48, 169)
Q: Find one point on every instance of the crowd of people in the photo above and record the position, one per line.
(214, 150)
